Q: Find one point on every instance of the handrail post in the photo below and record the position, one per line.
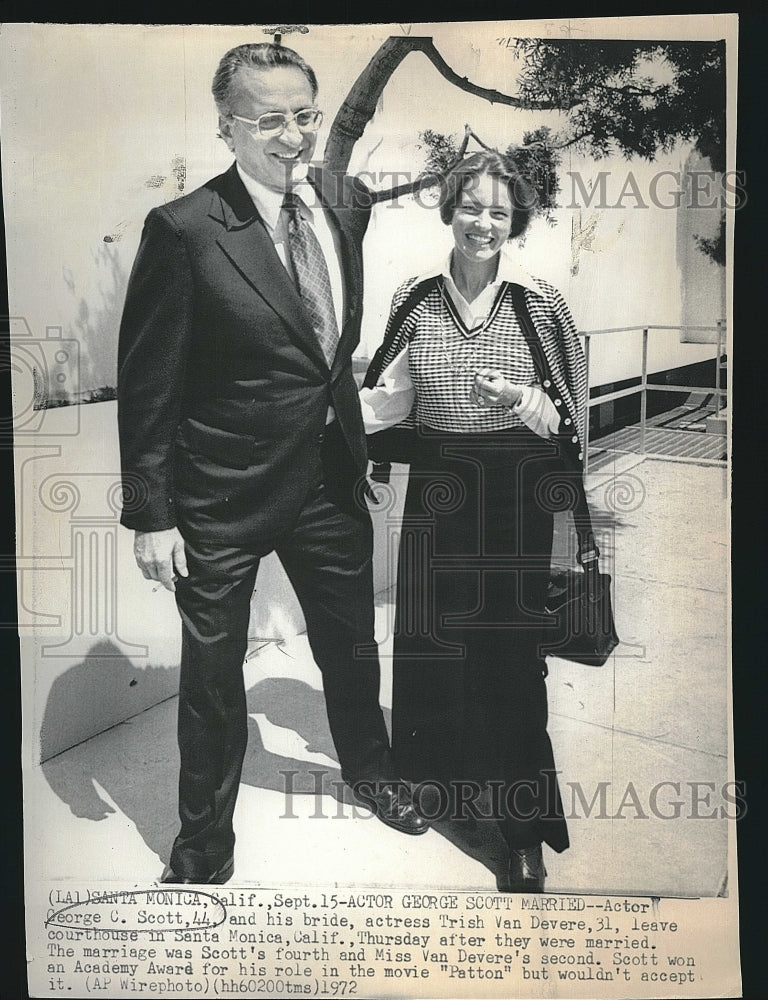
(586, 429)
(644, 392)
(718, 364)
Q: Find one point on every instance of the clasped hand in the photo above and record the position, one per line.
(490, 388)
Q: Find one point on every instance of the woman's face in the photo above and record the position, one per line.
(482, 219)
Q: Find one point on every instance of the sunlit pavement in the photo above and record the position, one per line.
(641, 743)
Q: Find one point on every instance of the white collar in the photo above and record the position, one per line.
(269, 203)
(509, 270)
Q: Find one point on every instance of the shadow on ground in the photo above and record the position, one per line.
(139, 776)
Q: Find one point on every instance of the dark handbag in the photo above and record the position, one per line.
(580, 626)
(395, 444)
(583, 628)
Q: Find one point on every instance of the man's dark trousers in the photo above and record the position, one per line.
(326, 554)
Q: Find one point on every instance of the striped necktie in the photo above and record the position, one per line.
(311, 270)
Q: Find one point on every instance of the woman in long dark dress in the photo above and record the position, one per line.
(469, 694)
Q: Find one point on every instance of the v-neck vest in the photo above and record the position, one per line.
(444, 356)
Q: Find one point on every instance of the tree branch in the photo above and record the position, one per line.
(392, 194)
(432, 177)
(569, 142)
(436, 176)
(494, 96)
(631, 88)
(360, 103)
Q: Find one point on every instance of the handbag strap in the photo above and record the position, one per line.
(381, 470)
(588, 553)
(414, 297)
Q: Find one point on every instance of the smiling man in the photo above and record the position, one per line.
(241, 434)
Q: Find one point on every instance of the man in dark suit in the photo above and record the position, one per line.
(241, 433)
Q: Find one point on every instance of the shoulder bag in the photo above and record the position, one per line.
(581, 626)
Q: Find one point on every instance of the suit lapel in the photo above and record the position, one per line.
(249, 247)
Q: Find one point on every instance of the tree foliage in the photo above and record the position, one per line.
(626, 97)
(635, 98)
(714, 246)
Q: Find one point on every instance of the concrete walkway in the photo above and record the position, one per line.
(656, 713)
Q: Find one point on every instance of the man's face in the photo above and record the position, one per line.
(278, 161)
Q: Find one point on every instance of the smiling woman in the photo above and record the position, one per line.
(481, 225)
(469, 709)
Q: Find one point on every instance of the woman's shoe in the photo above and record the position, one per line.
(525, 870)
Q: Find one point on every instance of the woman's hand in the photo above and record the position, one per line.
(490, 388)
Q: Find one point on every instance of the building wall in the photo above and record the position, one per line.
(117, 119)
(103, 122)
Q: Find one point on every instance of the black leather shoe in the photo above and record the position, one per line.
(393, 805)
(219, 877)
(525, 871)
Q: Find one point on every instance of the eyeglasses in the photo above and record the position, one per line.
(275, 122)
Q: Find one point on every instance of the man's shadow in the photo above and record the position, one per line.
(140, 775)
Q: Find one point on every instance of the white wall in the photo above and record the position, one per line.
(96, 117)
(97, 120)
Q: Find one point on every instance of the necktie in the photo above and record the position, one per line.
(311, 270)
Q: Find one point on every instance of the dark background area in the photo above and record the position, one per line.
(750, 447)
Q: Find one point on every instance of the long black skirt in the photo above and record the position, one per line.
(469, 692)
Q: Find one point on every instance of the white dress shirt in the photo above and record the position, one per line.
(392, 399)
(269, 205)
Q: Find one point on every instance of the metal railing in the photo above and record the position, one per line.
(645, 386)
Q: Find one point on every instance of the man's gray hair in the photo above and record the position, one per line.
(255, 55)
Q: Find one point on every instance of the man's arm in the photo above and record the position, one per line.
(152, 358)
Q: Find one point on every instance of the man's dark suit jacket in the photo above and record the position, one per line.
(223, 389)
